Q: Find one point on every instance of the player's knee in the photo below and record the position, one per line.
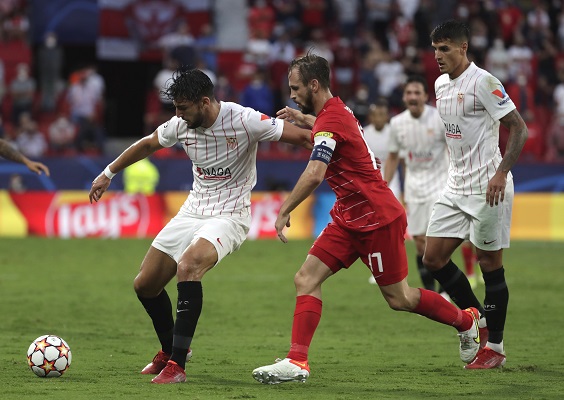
(304, 282)
(432, 263)
(143, 288)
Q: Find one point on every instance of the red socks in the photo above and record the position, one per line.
(306, 318)
(433, 306)
(469, 258)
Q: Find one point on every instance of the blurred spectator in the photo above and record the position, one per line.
(538, 23)
(16, 25)
(160, 83)
(348, 12)
(261, 19)
(259, 48)
(258, 95)
(223, 90)
(360, 104)
(345, 68)
(497, 60)
(282, 48)
(22, 89)
(50, 61)
(520, 56)
(206, 47)
(510, 19)
(313, 16)
(389, 73)
(319, 45)
(379, 16)
(85, 107)
(29, 141)
(180, 45)
(478, 40)
(141, 177)
(62, 136)
(521, 93)
(16, 184)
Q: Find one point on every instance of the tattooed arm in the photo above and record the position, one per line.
(518, 133)
(9, 153)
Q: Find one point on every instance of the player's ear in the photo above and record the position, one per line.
(314, 85)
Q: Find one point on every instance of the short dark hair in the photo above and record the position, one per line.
(310, 67)
(453, 30)
(381, 102)
(418, 79)
(191, 85)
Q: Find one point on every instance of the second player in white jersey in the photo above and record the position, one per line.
(422, 142)
(471, 106)
(223, 157)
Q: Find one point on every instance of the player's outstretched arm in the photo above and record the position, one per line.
(295, 135)
(137, 151)
(310, 179)
(518, 134)
(296, 117)
(9, 153)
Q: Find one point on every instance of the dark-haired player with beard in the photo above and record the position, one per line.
(368, 222)
(221, 140)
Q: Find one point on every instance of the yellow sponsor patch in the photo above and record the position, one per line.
(324, 134)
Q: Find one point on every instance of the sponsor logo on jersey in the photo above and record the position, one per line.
(420, 156)
(264, 117)
(231, 142)
(500, 92)
(324, 134)
(453, 131)
(214, 174)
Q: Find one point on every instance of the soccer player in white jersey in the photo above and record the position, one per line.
(476, 202)
(418, 133)
(377, 136)
(221, 140)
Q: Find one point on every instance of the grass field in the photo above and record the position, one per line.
(82, 291)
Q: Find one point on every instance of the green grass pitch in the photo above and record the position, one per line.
(82, 291)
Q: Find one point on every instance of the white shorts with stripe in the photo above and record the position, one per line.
(226, 234)
(470, 217)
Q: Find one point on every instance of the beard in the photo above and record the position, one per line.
(196, 123)
(307, 106)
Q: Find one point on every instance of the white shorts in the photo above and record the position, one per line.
(470, 217)
(418, 215)
(227, 234)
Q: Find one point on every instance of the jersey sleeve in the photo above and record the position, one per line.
(494, 98)
(168, 132)
(262, 127)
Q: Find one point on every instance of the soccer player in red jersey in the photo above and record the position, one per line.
(368, 223)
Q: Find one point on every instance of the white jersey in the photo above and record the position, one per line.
(471, 107)
(422, 143)
(378, 143)
(223, 157)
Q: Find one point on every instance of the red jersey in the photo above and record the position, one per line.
(364, 201)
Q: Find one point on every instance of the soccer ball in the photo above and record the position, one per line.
(49, 356)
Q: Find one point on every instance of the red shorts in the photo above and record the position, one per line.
(381, 250)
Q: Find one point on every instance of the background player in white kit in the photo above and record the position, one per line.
(377, 136)
(477, 200)
(221, 140)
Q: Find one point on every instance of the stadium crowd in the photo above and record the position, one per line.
(372, 46)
